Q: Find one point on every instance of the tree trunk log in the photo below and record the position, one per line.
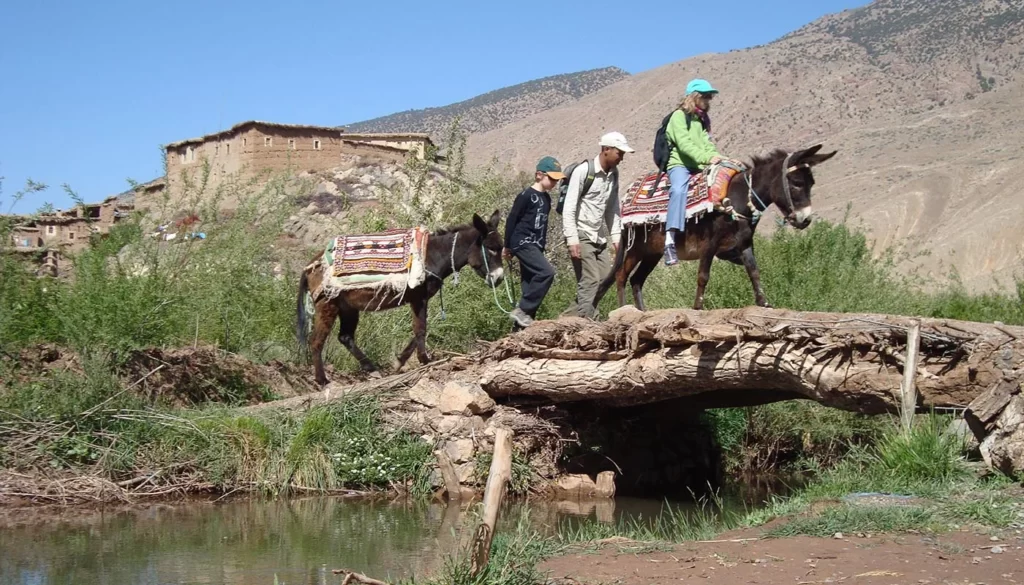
(749, 356)
(997, 420)
(452, 486)
(497, 480)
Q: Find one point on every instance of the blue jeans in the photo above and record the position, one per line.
(679, 180)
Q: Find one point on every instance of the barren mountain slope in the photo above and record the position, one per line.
(923, 93)
(496, 108)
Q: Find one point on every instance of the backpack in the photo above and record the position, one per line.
(563, 187)
(662, 145)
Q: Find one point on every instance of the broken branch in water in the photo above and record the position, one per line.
(351, 576)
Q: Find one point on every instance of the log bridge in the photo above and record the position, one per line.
(752, 356)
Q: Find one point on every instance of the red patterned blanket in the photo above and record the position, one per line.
(705, 193)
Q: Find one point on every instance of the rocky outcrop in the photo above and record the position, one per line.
(329, 198)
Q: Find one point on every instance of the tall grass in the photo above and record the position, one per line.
(92, 425)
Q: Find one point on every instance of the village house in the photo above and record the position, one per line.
(49, 236)
(253, 147)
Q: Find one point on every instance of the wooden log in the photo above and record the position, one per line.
(908, 389)
(983, 411)
(352, 576)
(753, 356)
(997, 420)
(728, 358)
(451, 479)
(494, 493)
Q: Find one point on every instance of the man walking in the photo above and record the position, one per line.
(591, 219)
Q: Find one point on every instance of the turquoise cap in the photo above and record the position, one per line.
(700, 85)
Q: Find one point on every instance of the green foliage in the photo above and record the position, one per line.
(798, 434)
(926, 463)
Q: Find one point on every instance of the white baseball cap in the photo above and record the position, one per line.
(616, 140)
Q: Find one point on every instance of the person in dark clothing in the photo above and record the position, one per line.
(526, 238)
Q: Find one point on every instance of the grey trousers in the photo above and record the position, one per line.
(593, 265)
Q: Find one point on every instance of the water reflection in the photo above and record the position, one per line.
(248, 542)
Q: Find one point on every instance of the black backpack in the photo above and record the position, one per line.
(662, 145)
(563, 187)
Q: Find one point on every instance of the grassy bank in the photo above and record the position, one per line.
(920, 481)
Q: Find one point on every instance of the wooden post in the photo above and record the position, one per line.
(908, 390)
(497, 481)
(451, 479)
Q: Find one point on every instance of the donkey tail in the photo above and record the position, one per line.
(302, 322)
(620, 255)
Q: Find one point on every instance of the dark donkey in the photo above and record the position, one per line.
(779, 178)
(448, 251)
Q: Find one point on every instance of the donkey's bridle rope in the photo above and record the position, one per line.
(755, 213)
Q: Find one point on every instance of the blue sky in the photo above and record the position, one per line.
(90, 90)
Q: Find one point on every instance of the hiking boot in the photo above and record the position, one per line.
(521, 318)
(670, 256)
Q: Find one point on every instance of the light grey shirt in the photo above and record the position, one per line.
(595, 215)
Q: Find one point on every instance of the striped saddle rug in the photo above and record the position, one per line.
(393, 258)
(706, 191)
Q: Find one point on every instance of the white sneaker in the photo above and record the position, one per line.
(521, 318)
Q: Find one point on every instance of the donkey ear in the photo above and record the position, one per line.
(480, 224)
(817, 159)
(495, 218)
(801, 155)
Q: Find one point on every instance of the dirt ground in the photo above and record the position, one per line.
(958, 557)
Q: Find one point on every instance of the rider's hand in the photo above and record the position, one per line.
(506, 253)
(715, 160)
(574, 251)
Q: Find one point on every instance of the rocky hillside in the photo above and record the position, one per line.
(919, 97)
(496, 108)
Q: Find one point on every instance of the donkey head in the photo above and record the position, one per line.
(485, 255)
(797, 181)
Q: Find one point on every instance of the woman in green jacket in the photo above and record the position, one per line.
(689, 132)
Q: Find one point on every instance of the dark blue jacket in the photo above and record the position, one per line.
(527, 222)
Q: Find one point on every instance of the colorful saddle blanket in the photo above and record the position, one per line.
(706, 191)
(392, 257)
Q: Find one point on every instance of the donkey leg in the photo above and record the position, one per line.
(647, 265)
(629, 262)
(750, 263)
(419, 329)
(323, 321)
(347, 337)
(704, 274)
(419, 333)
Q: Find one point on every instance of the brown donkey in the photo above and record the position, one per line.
(448, 251)
(779, 178)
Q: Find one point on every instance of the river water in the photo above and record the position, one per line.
(252, 541)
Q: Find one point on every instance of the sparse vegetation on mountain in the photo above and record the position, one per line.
(496, 108)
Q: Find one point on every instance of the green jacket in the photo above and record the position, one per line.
(690, 148)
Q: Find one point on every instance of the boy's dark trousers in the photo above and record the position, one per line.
(538, 274)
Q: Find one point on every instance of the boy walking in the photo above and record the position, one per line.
(591, 219)
(526, 238)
